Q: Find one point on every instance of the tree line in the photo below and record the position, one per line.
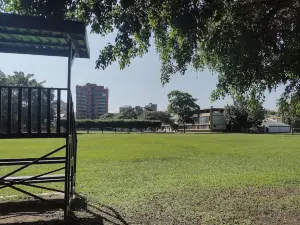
(252, 45)
(245, 112)
(129, 124)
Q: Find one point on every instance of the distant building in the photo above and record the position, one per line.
(212, 119)
(151, 106)
(124, 108)
(209, 120)
(273, 126)
(91, 101)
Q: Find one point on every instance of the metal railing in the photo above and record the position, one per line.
(31, 111)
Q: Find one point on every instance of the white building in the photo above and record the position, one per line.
(272, 126)
(209, 120)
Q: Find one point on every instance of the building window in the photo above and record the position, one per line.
(204, 119)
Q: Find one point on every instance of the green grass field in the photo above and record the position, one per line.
(189, 179)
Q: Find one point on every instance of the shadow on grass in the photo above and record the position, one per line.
(39, 213)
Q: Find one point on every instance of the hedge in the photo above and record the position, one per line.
(125, 124)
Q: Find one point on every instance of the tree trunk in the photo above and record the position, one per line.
(102, 130)
(183, 127)
(292, 127)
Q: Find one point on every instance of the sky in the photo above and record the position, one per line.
(138, 84)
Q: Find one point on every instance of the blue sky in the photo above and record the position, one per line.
(138, 84)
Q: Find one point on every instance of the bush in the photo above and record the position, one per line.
(124, 124)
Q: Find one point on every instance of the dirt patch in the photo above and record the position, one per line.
(32, 212)
(207, 206)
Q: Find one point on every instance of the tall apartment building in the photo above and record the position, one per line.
(91, 101)
(151, 106)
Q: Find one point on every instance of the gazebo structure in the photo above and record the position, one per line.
(27, 112)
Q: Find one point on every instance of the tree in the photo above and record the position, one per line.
(129, 124)
(183, 105)
(247, 42)
(108, 116)
(138, 110)
(164, 117)
(148, 109)
(289, 105)
(245, 113)
(19, 79)
(270, 112)
(127, 113)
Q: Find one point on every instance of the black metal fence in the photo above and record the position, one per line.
(31, 111)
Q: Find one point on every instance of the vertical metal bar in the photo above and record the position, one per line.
(20, 110)
(39, 111)
(58, 112)
(29, 111)
(67, 171)
(1, 128)
(9, 111)
(49, 111)
(72, 150)
(75, 155)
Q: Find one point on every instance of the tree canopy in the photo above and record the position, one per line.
(289, 107)
(19, 79)
(247, 42)
(182, 105)
(244, 113)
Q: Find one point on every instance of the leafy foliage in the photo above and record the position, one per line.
(271, 112)
(164, 117)
(244, 113)
(19, 79)
(289, 105)
(183, 105)
(107, 116)
(128, 113)
(248, 42)
(125, 124)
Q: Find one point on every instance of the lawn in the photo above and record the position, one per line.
(188, 179)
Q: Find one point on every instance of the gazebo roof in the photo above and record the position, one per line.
(39, 36)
